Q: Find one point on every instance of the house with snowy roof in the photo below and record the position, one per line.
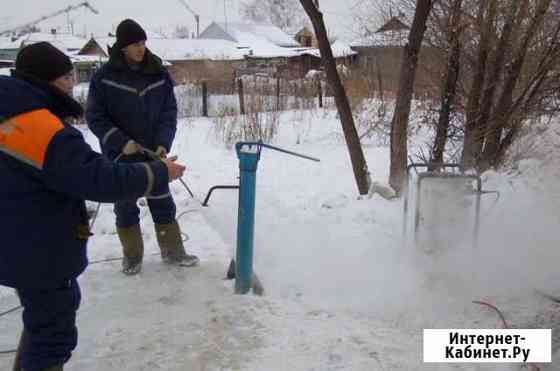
(273, 51)
(306, 37)
(185, 59)
(381, 54)
(66, 43)
(266, 46)
(9, 48)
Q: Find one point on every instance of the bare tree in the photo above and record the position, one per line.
(285, 14)
(399, 124)
(506, 62)
(512, 75)
(359, 164)
(486, 14)
(495, 70)
(181, 32)
(519, 40)
(450, 87)
(368, 15)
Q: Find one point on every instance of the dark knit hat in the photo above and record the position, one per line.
(129, 32)
(43, 61)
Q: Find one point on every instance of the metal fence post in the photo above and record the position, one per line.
(204, 99)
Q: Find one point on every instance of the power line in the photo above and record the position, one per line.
(225, 14)
(357, 4)
(215, 10)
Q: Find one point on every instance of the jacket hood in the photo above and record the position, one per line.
(151, 65)
(21, 93)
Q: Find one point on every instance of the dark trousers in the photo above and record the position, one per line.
(163, 211)
(49, 320)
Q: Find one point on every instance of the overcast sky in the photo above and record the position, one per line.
(153, 14)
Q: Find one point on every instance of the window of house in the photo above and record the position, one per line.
(84, 75)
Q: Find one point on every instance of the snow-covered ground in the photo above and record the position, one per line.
(341, 290)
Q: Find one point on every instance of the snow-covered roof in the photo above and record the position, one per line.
(267, 50)
(65, 42)
(104, 42)
(304, 31)
(76, 58)
(195, 49)
(394, 24)
(339, 49)
(262, 40)
(393, 33)
(9, 43)
(388, 38)
(247, 33)
(186, 49)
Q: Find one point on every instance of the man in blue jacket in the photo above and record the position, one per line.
(132, 106)
(47, 170)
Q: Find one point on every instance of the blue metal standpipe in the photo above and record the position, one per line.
(249, 154)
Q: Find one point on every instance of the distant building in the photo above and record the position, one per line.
(98, 46)
(381, 54)
(394, 24)
(186, 59)
(4, 71)
(273, 52)
(307, 38)
(9, 48)
(250, 35)
(66, 43)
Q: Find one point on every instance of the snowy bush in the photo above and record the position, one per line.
(256, 125)
(373, 121)
(189, 100)
(539, 140)
(81, 97)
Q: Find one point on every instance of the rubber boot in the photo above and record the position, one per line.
(171, 245)
(17, 360)
(133, 249)
(54, 368)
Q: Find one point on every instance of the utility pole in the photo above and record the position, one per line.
(66, 10)
(196, 16)
(225, 14)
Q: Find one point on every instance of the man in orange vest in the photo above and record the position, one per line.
(47, 170)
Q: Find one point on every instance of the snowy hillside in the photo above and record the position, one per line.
(342, 292)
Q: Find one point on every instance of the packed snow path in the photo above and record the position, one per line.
(341, 293)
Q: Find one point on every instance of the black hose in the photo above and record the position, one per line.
(2, 352)
(185, 212)
(95, 216)
(108, 260)
(105, 260)
(10, 310)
